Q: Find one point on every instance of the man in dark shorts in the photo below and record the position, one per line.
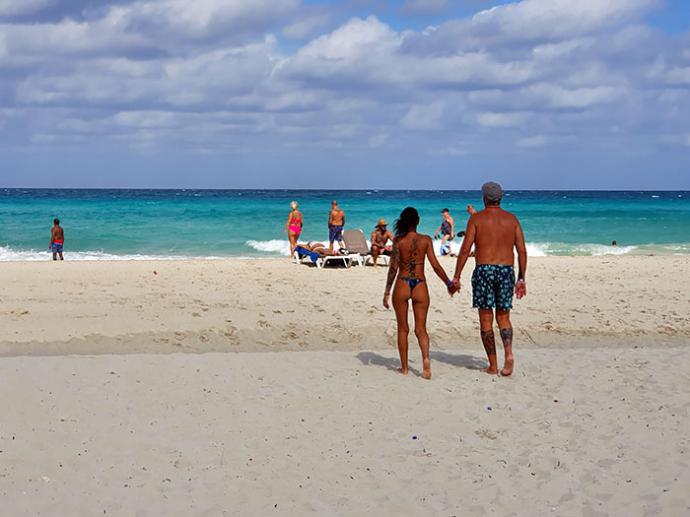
(336, 222)
(57, 239)
(494, 233)
(447, 228)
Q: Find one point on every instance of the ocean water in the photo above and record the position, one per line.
(147, 224)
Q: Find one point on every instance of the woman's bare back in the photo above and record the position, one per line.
(412, 249)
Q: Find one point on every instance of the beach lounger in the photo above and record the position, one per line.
(356, 244)
(303, 254)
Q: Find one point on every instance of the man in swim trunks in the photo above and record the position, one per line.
(379, 240)
(57, 239)
(336, 222)
(494, 233)
(447, 228)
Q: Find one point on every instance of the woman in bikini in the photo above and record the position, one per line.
(293, 227)
(406, 271)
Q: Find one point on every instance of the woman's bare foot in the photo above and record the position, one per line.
(403, 371)
(507, 370)
(426, 373)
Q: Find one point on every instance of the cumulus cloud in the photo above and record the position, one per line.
(223, 75)
(9, 8)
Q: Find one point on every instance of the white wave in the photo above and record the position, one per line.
(536, 250)
(281, 247)
(544, 249)
(10, 255)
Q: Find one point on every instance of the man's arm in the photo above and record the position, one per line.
(468, 241)
(374, 243)
(452, 227)
(521, 251)
(342, 213)
(520, 285)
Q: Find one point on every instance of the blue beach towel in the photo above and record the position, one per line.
(304, 252)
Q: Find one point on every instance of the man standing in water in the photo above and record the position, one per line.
(57, 239)
(494, 233)
(447, 228)
(336, 222)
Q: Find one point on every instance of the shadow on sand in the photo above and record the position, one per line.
(465, 361)
(393, 363)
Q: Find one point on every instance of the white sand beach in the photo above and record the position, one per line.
(104, 413)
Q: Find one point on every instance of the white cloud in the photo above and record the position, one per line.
(23, 7)
(490, 119)
(423, 116)
(545, 140)
(216, 74)
(307, 26)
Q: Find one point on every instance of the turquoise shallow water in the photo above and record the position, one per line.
(102, 224)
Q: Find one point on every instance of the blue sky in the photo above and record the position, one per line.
(350, 94)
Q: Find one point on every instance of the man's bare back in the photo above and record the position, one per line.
(57, 234)
(495, 234)
(337, 217)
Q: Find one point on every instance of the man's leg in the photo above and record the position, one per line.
(486, 324)
(503, 319)
(374, 255)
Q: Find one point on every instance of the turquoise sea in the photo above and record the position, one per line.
(145, 224)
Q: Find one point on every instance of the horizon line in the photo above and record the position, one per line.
(249, 189)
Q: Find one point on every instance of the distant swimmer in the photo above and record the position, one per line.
(494, 233)
(614, 243)
(447, 228)
(406, 272)
(336, 222)
(293, 226)
(57, 239)
(379, 241)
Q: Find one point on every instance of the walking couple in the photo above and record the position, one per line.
(494, 233)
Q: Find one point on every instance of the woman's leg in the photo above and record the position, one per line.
(293, 242)
(401, 297)
(420, 306)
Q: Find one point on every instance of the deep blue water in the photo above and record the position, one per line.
(204, 223)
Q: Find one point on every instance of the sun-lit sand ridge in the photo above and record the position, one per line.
(593, 423)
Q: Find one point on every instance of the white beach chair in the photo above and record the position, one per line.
(356, 244)
(320, 260)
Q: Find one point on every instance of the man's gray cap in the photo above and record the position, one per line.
(492, 191)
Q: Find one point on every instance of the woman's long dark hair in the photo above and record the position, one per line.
(408, 221)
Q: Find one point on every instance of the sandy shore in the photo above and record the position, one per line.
(592, 433)
(260, 305)
(103, 414)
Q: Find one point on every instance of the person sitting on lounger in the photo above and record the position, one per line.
(379, 241)
(317, 247)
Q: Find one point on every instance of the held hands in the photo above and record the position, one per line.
(454, 287)
(520, 289)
